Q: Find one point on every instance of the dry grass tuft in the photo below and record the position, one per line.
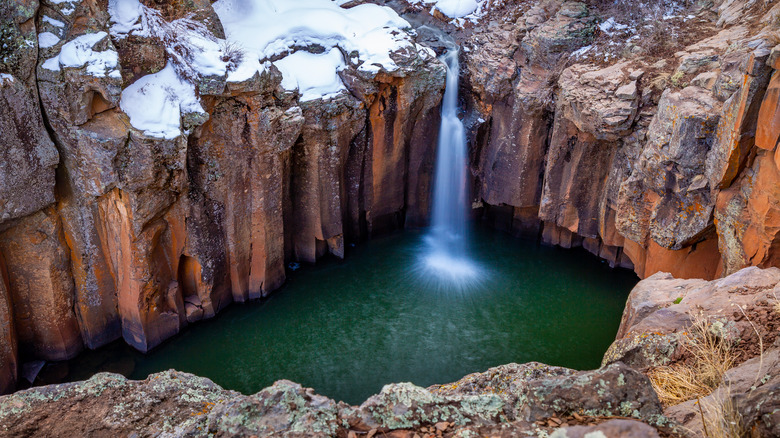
(677, 383)
(710, 357)
(720, 416)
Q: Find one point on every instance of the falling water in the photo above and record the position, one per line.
(446, 254)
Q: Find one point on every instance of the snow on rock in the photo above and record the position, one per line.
(66, 6)
(53, 22)
(202, 54)
(155, 103)
(470, 10)
(5, 77)
(456, 8)
(307, 40)
(271, 29)
(314, 76)
(47, 39)
(610, 26)
(126, 16)
(78, 53)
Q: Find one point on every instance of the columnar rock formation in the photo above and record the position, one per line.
(653, 162)
(141, 235)
(658, 162)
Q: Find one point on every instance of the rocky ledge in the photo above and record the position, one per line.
(532, 399)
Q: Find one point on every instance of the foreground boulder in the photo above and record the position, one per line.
(511, 399)
(750, 393)
(661, 308)
(679, 332)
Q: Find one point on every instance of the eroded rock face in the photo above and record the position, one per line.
(318, 165)
(8, 349)
(516, 105)
(403, 119)
(239, 166)
(41, 288)
(510, 397)
(667, 197)
(623, 159)
(747, 217)
(142, 234)
(27, 154)
(661, 307)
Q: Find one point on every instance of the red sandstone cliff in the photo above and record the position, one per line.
(656, 159)
(106, 232)
(140, 236)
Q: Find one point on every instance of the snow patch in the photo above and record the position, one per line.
(70, 5)
(314, 76)
(47, 39)
(610, 26)
(271, 29)
(459, 10)
(456, 8)
(125, 17)
(581, 51)
(193, 49)
(156, 102)
(5, 77)
(78, 53)
(53, 22)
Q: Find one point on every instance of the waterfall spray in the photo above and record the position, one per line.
(446, 254)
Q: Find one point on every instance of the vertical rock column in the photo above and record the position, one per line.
(317, 191)
(239, 164)
(400, 147)
(80, 105)
(36, 294)
(596, 108)
(748, 213)
(9, 364)
(38, 267)
(510, 72)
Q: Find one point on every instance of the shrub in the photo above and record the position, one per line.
(175, 36)
(232, 54)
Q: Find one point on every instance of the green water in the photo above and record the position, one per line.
(346, 328)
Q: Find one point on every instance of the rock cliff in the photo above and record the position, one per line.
(648, 151)
(110, 231)
(656, 157)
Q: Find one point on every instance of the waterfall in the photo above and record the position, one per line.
(446, 253)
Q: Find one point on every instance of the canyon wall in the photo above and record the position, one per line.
(653, 162)
(107, 232)
(656, 158)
